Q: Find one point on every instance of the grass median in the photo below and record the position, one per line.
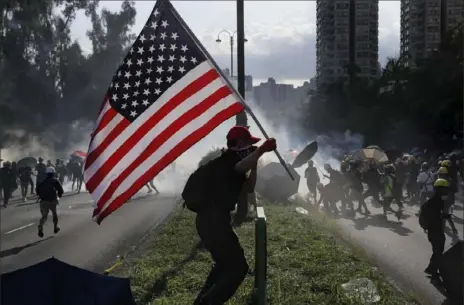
(307, 265)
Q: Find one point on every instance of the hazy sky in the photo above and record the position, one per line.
(281, 34)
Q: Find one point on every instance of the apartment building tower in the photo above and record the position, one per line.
(424, 22)
(347, 33)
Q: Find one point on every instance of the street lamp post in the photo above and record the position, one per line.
(231, 43)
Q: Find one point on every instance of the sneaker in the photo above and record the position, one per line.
(40, 233)
(56, 230)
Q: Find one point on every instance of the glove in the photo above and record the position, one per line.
(268, 145)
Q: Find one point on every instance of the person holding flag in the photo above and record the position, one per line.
(167, 95)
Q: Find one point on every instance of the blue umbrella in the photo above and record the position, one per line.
(53, 282)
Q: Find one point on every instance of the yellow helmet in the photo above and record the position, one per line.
(441, 183)
(443, 170)
(446, 163)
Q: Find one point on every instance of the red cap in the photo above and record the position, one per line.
(241, 132)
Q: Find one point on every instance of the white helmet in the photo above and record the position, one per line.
(50, 170)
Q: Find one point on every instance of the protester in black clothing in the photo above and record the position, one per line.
(214, 223)
(372, 178)
(61, 170)
(49, 191)
(14, 178)
(312, 179)
(40, 168)
(25, 179)
(6, 181)
(431, 220)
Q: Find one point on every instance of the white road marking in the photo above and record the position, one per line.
(20, 228)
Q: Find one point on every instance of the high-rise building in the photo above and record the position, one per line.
(423, 22)
(347, 31)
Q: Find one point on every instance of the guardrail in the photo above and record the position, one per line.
(260, 293)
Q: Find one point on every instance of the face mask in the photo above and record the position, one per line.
(244, 151)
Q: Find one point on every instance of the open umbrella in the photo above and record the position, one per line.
(274, 184)
(53, 282)
(372, 154)
(80, 154)
(374, 147)
(28, 161)
(305, 155)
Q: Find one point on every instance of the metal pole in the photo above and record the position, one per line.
(241, 117)
(232, 57)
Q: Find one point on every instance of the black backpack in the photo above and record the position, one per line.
(198, 193)
(425, 214)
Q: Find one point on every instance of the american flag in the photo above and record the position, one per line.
(165, 97)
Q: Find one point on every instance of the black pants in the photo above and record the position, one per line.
(230, 266)
(437, 239)
(373, 192)
(6, 194)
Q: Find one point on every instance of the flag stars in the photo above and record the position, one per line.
(142, 38)
(140, 62)
(137, 84)
(164, 24)
(116, 86)
(127, 74)
(126, 86)
(136, 93)
(124, 106)
(119, 73)
(152, 49)
(174, 36)
(169, 79)
(150, 60)
(138, 73)
(114, 98)
(129, 62)
(170, 69)
(140, 50)
(156, 13)
(161, 58)
(162, 47)
(148, 81)
(183, 59)
(158, 81)
(134, 104)
(173, 47)
(146, 92)
(193, 60)
(172, 58)
(163, 36)
(125, 96)
(184, 48)
(149, 70)
(133, 113)
(181, 69)
(145, 103)
(154, 25)
(159, 70)
(157, 91)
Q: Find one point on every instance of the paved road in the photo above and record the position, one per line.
(81, 241)
(401, 248)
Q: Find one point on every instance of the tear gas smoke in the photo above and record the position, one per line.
(173, 178)
(330, 146)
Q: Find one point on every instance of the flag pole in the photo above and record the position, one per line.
(242, 101)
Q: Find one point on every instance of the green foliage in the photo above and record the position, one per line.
(48, 80)
(405, 107)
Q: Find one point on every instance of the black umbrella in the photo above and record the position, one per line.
(28, 161)
(53, 282)
(305, 155)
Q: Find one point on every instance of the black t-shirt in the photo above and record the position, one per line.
(227, 183)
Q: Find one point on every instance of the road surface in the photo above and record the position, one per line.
(81, 242)
(401, 249)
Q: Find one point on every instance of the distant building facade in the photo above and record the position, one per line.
(346, 29)
(423, 22)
